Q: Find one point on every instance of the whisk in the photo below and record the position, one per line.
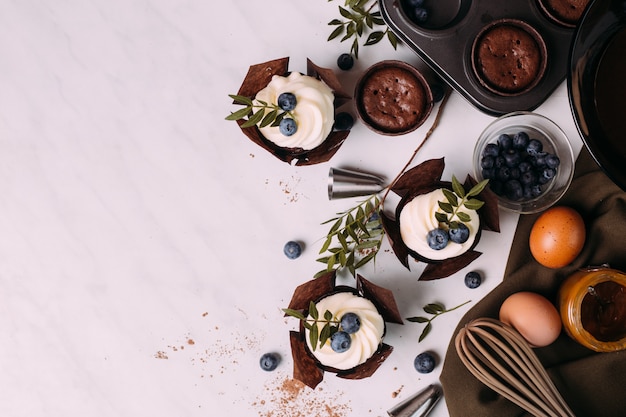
(499, 357)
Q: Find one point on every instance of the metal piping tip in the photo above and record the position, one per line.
(344, 183)
(418, 405)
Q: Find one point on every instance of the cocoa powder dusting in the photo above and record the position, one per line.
(288, 397)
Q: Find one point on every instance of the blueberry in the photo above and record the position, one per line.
(487, 162)
(499, 161)
(424, 363)
(552, 161)
(525, 166)
(345, 62)
(340, 341)
(343, 121)
(437, 239)
(520, 140)
(414, 3)
(535, 190)
(269, 361)
(513, 190)
(420, 15)
(546, 175)
(515, 173)
(438, 91)
(505, 141)
(292, 249)
(459, 233)
(534, 146)
(528, 178)
(287, 101)
(539, 159)
(503, 173)
(287, 126)
(489, 174)
(350, 323)
(491, 149)
(512, 158)
(473, 279)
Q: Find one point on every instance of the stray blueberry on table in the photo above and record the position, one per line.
(287, 101)
(343, 121)
(424, 363)
(345, 62)
(459, 233)
(473, 279)
(287, 126)
(292, 249)
(350, 323)
(437, 239)
(269, 361)
(340, 341)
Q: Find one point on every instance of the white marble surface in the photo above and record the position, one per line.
(141, 234)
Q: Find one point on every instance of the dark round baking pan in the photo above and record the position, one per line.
(444, 42)
(597, 84)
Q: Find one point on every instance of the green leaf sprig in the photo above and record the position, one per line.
(360, 18)
(354, 238)
(329, 324)
(456, 200)
(436, 310)
(258, 112)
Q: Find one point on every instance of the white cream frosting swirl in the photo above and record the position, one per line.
(417, 218)
(314, 113)
(365, 341)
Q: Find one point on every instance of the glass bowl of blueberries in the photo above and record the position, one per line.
(527, 159)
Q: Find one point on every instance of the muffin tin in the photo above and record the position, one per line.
(445, 42)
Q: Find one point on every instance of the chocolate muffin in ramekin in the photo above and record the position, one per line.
(393, 98)
(509, 57)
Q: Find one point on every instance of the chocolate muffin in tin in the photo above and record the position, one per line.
(509, 57)
(566, 13)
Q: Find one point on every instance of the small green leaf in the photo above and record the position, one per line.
(239, 114)
(241, 99)
(451, 197)
(269, 118)
(374, 38)
(324, 334)
(326, 244)
(345, 13)
(418, 319)
(294, 313)
(425, 332)
(464, 217)
(254, 119)
(478, 188)
(457, 187)
(335, 22)
(313, 311)
(473, 204)
(441, 217)
(314, 336)
(338, 31)
(393, 39)
(434, 308)
(446, 207)
(328, 315)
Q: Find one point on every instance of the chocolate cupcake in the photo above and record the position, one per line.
(564, 12)
(393, 98)
(439, 222)
(341, 328)
(304, 104)
(509, 57)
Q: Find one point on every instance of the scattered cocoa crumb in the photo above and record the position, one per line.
(397, 392)
(205, 314)
(161, 355)
(288, 397)
(287, 188)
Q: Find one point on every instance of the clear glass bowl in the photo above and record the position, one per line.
(554, 141)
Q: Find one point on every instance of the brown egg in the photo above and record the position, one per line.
(557, 237)
(533, 316)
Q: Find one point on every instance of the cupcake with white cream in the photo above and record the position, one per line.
(291, 114)
(341, 328)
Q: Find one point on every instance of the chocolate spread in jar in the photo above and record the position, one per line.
(603, 313)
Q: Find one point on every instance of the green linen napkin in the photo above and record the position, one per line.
(593, 384)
